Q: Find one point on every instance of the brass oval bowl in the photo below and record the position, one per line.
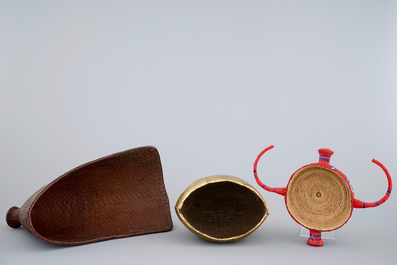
(221, 208)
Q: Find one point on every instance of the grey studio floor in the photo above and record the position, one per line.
(210, 84)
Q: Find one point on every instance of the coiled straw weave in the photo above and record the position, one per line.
(318, 198)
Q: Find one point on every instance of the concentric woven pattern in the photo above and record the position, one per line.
(318, 198)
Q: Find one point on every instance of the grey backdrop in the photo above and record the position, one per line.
(210, 84)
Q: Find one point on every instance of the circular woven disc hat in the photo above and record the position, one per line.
(319, 198)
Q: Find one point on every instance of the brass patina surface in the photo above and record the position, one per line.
(221, 208)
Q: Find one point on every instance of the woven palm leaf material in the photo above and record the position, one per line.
(319, 197)
(116, 196)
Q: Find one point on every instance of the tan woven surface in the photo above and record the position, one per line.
(318, 198)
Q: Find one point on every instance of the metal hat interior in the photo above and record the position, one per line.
(221, 208)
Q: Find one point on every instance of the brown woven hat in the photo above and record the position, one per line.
(221, 208)
(116, 196)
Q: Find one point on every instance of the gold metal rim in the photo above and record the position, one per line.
(216, 179)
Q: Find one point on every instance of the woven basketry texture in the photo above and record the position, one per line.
(221, 208)
(116, 196)
(318, 198)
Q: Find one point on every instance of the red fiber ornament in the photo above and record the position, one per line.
(320, 197)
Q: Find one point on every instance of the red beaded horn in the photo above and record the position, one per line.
(319, 197)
